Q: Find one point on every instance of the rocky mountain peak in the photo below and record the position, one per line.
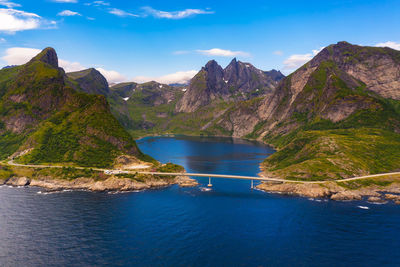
(238, 81)
(49, 56)
(212, 66)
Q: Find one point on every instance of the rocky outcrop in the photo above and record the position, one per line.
(333, 191)
(346, 196)
(111, 183)
(238, 81)
(18, 181)
(393, 197)
(48, 56)
(184, 181)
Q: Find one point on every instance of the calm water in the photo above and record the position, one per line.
(229, 226)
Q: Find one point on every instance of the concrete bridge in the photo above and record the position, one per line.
(221, 176)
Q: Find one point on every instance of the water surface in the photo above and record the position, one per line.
(229, 226)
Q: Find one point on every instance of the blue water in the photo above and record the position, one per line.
(229, 226)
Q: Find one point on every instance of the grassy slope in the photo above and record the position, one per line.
(141, 117)
(82, 131)
(9, 142)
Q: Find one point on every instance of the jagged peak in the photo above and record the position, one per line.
(47, 55)
(211, 63)
(233, 61)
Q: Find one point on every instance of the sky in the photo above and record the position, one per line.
(169, 41)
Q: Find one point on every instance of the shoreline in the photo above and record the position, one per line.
(111, 184)
(337, 191)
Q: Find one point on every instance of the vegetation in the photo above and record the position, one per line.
(356, 184)
(333, 154)
(170, 167)
(40, 111)
(5, 172)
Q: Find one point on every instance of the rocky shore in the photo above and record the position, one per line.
(110, 184)
(332, 190)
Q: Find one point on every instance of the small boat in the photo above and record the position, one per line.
(205, 189)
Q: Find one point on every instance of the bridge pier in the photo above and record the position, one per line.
(209, 182)
(252, 184)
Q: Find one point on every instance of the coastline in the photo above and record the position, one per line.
(112, 184)
(378, 190)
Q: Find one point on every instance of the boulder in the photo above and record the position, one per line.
(18, 181)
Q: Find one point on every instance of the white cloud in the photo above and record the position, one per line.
(390, 44)
(21, 55)
(121, 13)
(175, 14)
(12, 20)
(222, 53)
(68, 13)
(98, 3)
(70, 66)
(112, 76)
(8, 4)
(181, 77)
(278, 53)
(2, 40)
(295, 61)
(65, 1)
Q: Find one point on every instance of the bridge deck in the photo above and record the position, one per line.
(220, 176)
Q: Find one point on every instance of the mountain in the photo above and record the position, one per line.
(43, 119)
(238, 81)
(145, 108)
(90, 81)
(124, 90)
(336, 116)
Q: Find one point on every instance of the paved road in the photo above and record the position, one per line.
(213, 175)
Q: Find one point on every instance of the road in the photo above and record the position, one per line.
(12, 163)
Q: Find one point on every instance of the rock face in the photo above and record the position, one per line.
(238, 81)
(91, 81)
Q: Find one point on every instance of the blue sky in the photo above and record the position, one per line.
(170, 40)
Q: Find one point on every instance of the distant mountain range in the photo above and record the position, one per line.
(336, 116)
(331, 118)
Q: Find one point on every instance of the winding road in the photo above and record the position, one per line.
(223, 176)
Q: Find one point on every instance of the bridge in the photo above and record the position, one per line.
(218, 176)
(224, 176)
